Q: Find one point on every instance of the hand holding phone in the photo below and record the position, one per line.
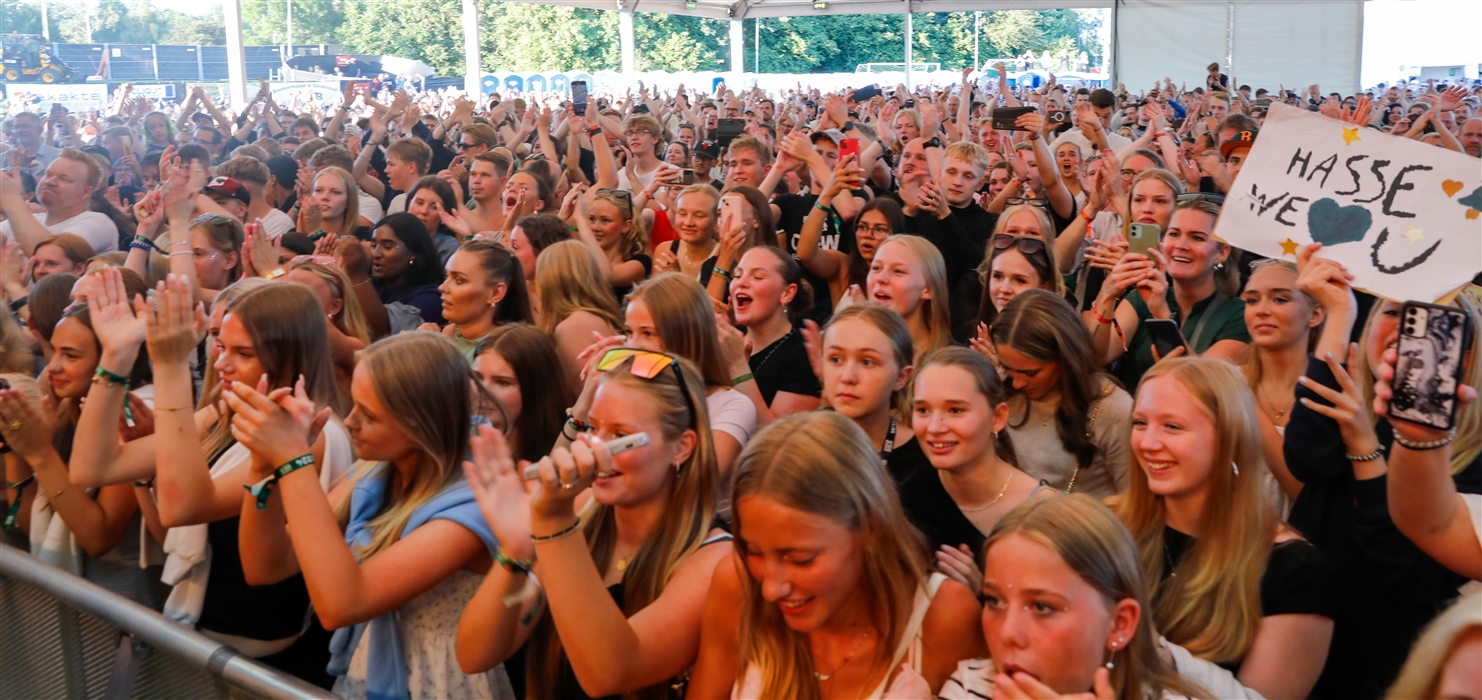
(1429, 364)
(1142, 238)
(849, 147)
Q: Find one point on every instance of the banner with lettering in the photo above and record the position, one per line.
(1403, 216)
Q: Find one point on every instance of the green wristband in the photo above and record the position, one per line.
(743, 379)
(263, 489)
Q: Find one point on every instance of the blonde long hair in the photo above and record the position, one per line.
(351, 218)
(351, 319)
(423, 381)
(634, 239)
(1094, 544)
(1047, 233)
(569, 280)
(685, 321)
(683, 527)
(1421, 675)
(823, 464)
(937, 311)
(1251, 365)
(1212, 606)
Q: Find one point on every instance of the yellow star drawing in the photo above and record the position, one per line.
(1288, 247)
(1350, 135)
(1414, 234)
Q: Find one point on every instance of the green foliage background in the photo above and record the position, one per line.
(526, 37)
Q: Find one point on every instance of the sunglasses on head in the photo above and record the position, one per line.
(647, 364)
(1031, 201)
(213, 219)
(325, 260)
(1210, 197)
(1027, 245)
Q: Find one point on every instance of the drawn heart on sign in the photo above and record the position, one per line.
(1473, 200)
(1451, 187)
(1332, 224)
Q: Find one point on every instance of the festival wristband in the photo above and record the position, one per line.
(514, 566)
(263, 489)
(15, 505)
(103, 376)
(743, 379)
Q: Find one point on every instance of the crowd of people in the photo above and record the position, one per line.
(343, 389)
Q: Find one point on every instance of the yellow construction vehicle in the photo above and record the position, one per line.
(25, 59)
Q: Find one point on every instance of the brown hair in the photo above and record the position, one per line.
(74, 247)
(412, 150)
(533, 358)
(685, 321)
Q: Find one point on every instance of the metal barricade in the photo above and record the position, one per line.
(64, 637)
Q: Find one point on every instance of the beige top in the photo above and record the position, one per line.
(1042, 453)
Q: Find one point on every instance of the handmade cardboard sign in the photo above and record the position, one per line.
(1404, 217)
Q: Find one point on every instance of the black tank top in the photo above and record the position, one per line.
(271, 612)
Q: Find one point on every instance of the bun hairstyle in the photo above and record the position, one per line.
(985, 382)
(792, 274)
(502, 267)
(823, 464)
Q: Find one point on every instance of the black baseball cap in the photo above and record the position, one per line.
(709, 149)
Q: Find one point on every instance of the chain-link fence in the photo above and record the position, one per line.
(63, 637)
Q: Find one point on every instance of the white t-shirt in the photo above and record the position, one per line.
(370, 208)
(732, 413)
(93, 227)
(276, 223)
(398, 204)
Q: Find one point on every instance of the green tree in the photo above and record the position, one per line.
(428, 30)
(24, 17)
(314, 22)
(528, 37)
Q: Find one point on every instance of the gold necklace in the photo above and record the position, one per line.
(688, 262)
(849, 657)
(996, 499)
(1280, 413)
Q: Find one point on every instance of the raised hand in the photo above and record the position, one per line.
(277, 426)
(259, 251)
(115, 324)
(25, 429)
(499, 488)
(176, 324)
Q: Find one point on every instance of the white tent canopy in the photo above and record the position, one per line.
(1260, 42)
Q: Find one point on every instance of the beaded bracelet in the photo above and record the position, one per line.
(263, 489)
(575, 423)
(1376, 454)
(547, 538)
(1423, 446)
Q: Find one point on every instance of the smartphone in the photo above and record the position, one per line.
(726, 130)
(614, 447)
(127, 142)
(579, 97)
(1057, 116)
(1142, 237)
(849, 147)
(1005, 118)
(1262, 101)
(1433, 343)
(1165, 335)
(732, 205)
(687, 176)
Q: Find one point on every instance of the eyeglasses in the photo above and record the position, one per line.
(1031, 201)
(1027, 245)
(874, 231)
(647, 364)
(637, 132)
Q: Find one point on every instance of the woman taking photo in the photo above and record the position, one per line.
(1068, 419)
(745, 222)
(1149, 200)
(1066, 613)
(91, 534)
(406, 269)
(909, 276)
(484, 289)
(1189, 278)
(695, 220)
(1340, 451)
(960, 413)
(347, 329)
(274, 334)
(671, 313)
(769, 298)
(626, 572)
(413, 548)
(1228, 581)
(1284, 325)
(573, 303)
(334, 207)
(866, 365)
(829, 594)
(513, 363)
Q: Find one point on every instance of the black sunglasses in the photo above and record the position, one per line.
(1027, 245)
(1210, 197)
